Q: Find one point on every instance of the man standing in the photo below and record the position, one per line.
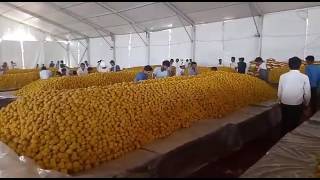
(293, 94)
(313, 72)
(233, 64)
(141, 76)
(242, 66)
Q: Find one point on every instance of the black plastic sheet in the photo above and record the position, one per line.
(294, 156)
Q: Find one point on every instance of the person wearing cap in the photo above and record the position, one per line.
(220, 64)
(102, 67)
(141, 76)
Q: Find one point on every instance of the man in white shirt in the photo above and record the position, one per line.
(233, 64)
(162, 72)
(82, 71)
(220, 64)
(294, 94)
(102, 67)
(180, 71)
(44, 73)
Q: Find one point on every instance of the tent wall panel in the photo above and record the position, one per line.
(239, 39)
(313, 35)
(209, 44)
(99, 49)
(54, 52)
(131, 50)
(33, 54)
(11, 51)
(284, 34)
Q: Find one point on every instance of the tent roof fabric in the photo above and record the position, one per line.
(74, 20)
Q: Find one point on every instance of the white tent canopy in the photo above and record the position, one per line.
(139, 33)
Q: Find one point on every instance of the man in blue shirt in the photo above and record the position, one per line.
(144, 74)
(313, 72)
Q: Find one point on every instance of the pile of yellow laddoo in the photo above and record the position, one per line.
(72, 130)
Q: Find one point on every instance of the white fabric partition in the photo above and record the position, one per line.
(11, 51)
(159, 47)
(170, 44)
(54, 52)
(284, 35)
(240, 40)
(131, 51)
(33, 54)
(209, 45)
(180, 44)
(99, 49)
(313, 35)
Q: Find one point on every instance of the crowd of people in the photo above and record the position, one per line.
(168, 69)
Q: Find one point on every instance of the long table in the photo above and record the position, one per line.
(294, 156)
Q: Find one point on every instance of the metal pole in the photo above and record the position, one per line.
(114, 48)
(260, 40)
(68, 53)
(193, 46)
(148, 47)
(88, 52)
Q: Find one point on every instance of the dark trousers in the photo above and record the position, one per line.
(291, 117)
(314, 99)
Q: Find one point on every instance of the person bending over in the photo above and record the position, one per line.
(141, 76)
(162, 72)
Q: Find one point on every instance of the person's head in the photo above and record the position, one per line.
(37, 65)
(61, 61)
(190, 60)
(233, 59)
(82, 65)
(294, 63)
(177, 60)
(43, 68)
(5, 64)
(147, 69)
(165, 64)
(11, 62)
(43, 65)
(51, 62)
(310, 59)
(187, 60)
(220, 61)
(74, 72)
(241, 59)
(171, 61)
(193, 64)
(86, 62)
(112, 63)
(63, 71)
(258, 60)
